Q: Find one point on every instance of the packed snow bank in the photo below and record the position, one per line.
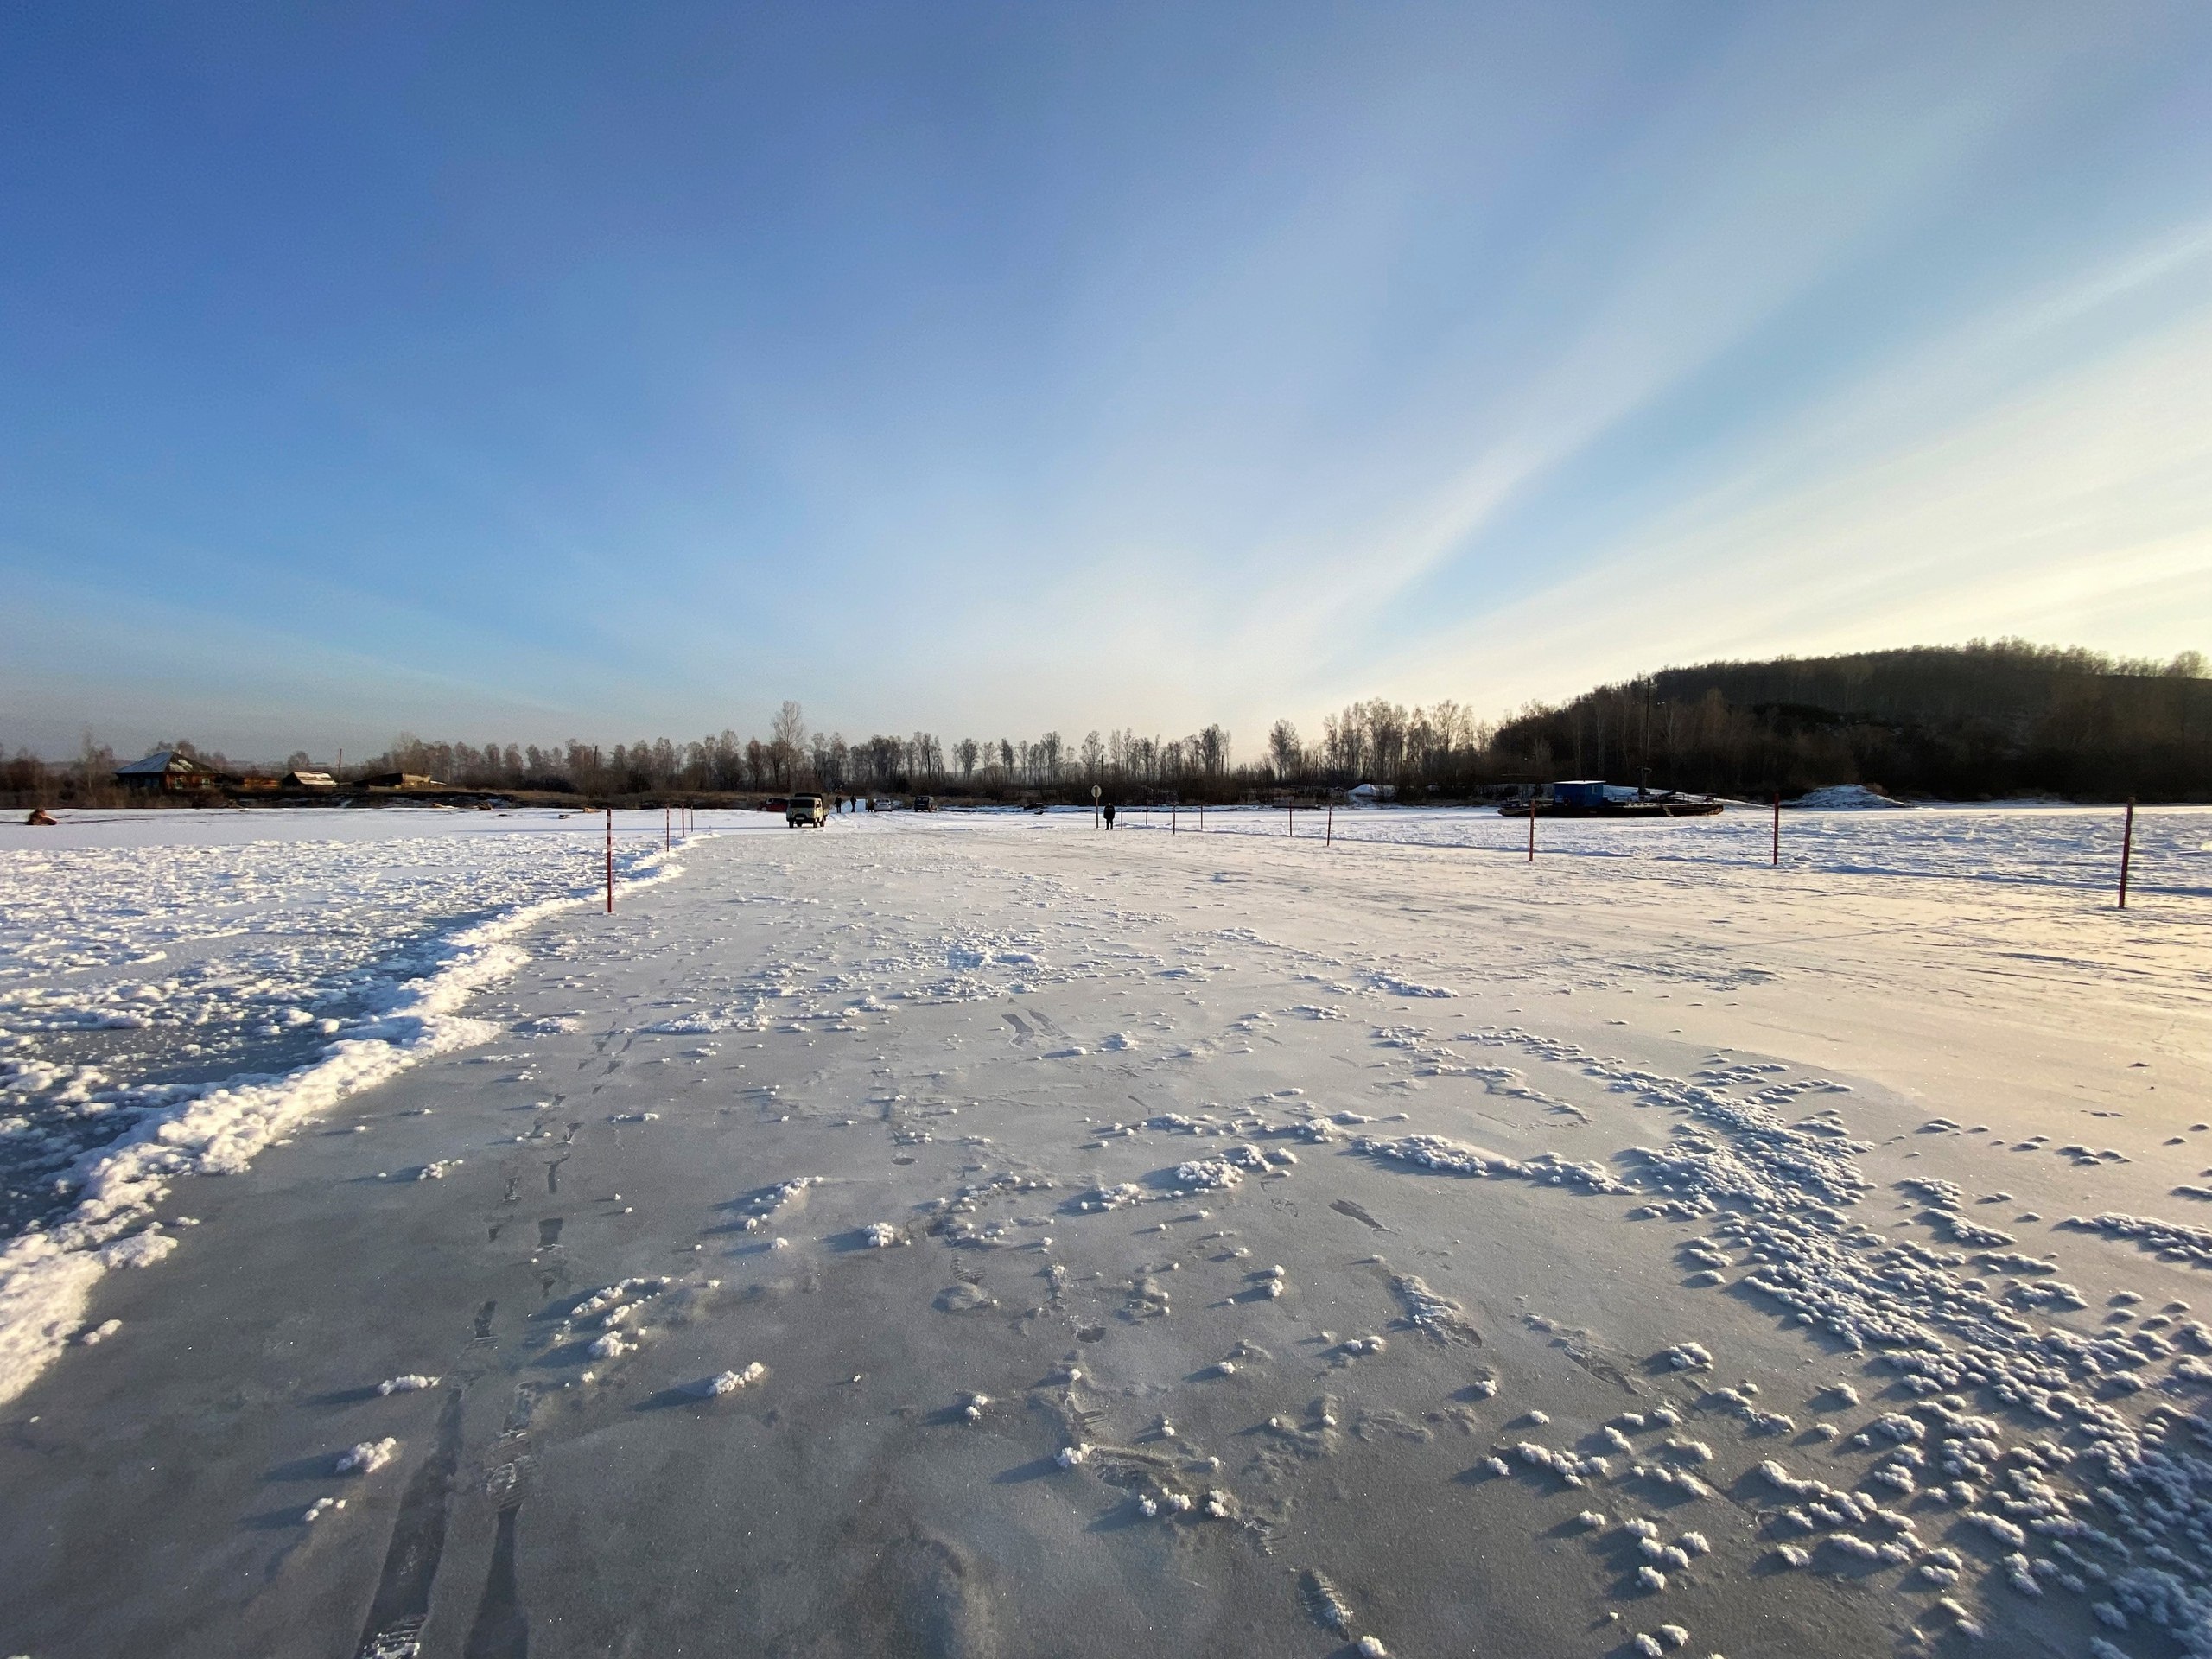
(47, 1274)
(1844, 797)
(146, 956)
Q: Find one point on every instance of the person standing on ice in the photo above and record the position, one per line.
(1109, 815)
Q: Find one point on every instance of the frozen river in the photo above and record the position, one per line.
(2056, 846)
(149, 959)
(982, 1235)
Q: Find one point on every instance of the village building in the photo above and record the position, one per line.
(167, 772)
(310, 781)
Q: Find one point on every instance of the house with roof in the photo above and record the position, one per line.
(167, 772)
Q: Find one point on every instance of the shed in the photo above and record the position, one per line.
(310, 781)
(401, 781)
(167, 771)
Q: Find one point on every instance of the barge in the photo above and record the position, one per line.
(1593, 797)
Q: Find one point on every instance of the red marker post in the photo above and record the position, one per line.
(1777, 830)
(2127, 848)
(1532, 829)
(1329, 827)
(610, 860)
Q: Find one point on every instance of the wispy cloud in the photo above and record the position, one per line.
(1138, 367)
(2083, 503)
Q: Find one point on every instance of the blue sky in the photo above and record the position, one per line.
(525, 372)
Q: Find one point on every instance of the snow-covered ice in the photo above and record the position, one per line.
(1248, 1294)
(178, 988)
(2057, 846)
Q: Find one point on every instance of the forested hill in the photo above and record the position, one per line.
(1966, 722)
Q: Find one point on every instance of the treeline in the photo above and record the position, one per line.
(88, 780)
(1977, 721)
(794, 757)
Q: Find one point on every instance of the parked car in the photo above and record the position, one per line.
(806, 812)
(924, 804)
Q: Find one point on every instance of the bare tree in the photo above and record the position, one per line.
(966, 752)
(1455, 726)
(1283, 749)
(1347, 741)
(925, 755)
(1211, 748)
(1143, 753)
(786, 742)
(96, 762)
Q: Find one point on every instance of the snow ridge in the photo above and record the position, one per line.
(47, 1275)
